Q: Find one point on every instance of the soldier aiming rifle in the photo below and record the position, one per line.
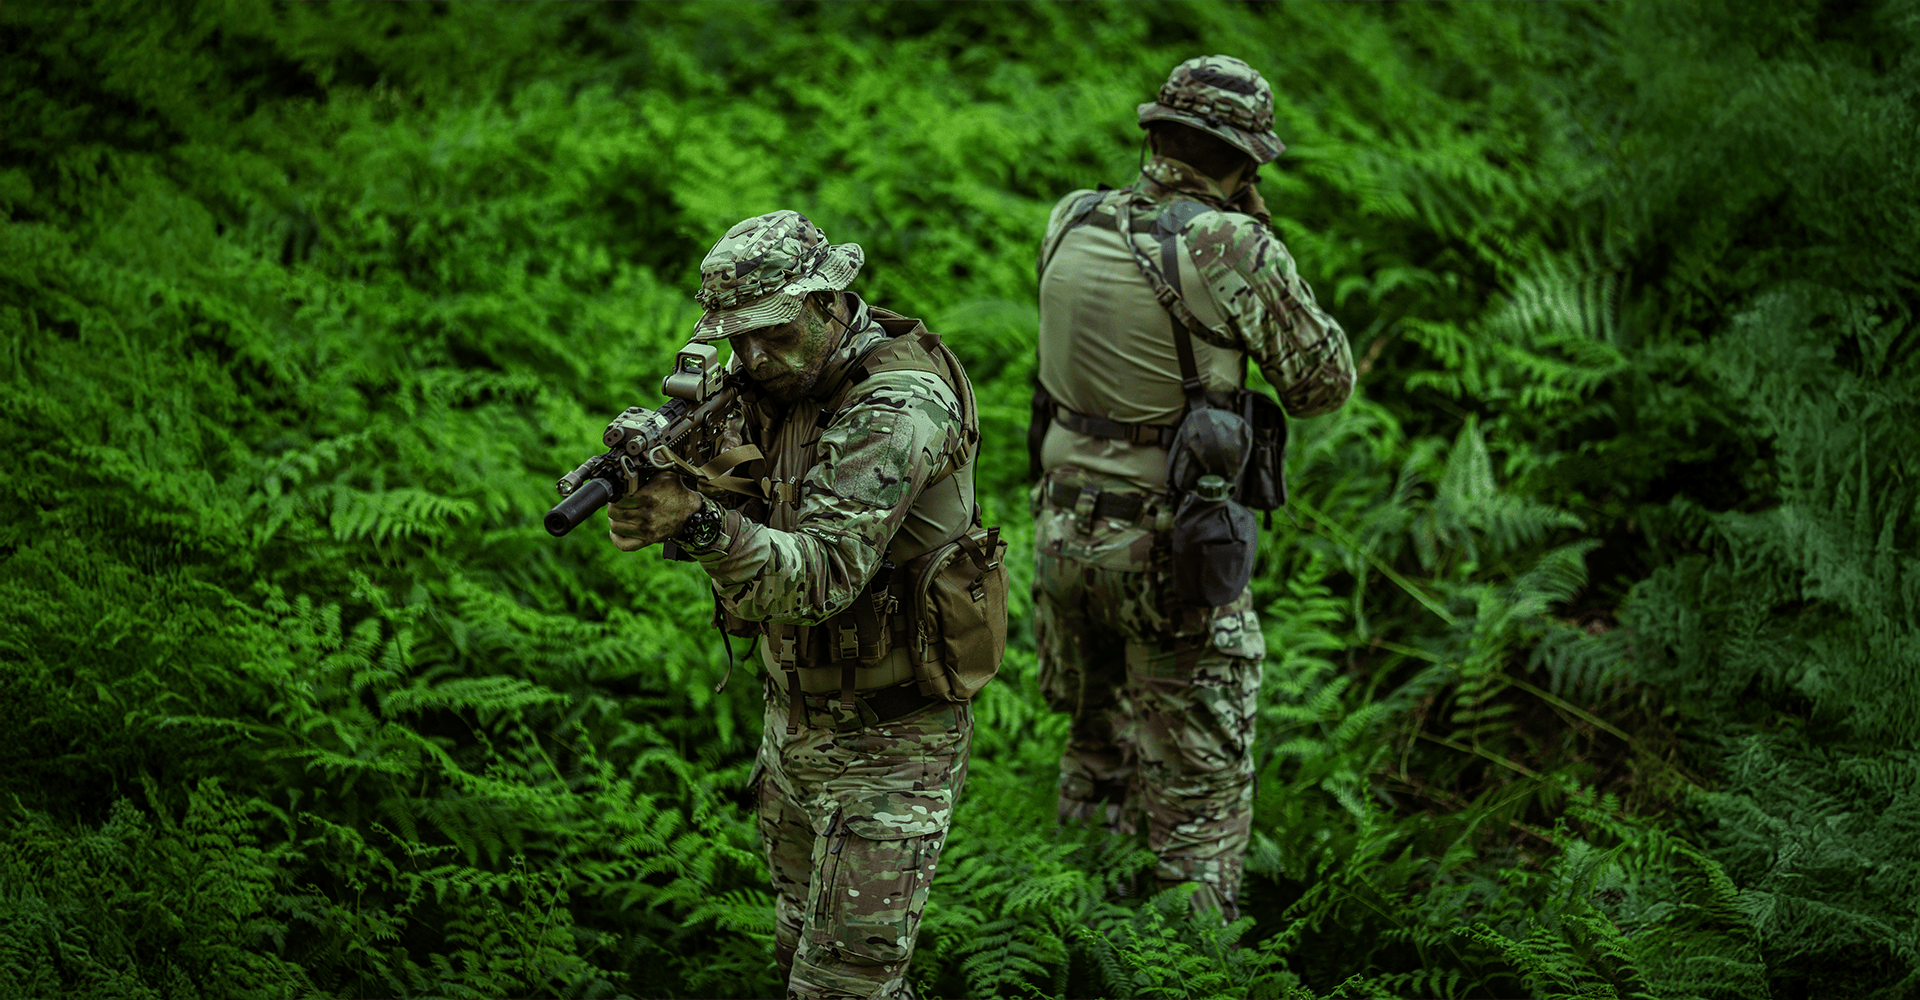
(1150, 452)
(838, 524)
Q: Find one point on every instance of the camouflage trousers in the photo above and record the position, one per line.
(1163, 698)
(852, 823)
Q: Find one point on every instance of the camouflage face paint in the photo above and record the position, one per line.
(787, 359)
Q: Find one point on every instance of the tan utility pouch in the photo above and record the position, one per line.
(959, 610)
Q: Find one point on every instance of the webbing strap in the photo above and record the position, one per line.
(710, 473)
(797, 705)
(1165, 281)
(1126, 507)
(1158, 435)
(780, 491)
(733, 456)
(874, 619)
(1190, 383)
(784, 638)
(974, 551)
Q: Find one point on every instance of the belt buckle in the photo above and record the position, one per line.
(849, 637)
(1083, 509)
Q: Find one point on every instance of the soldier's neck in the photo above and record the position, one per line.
(1163, 176)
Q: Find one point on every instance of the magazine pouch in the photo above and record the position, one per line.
(1264, 484)
(1209, 442)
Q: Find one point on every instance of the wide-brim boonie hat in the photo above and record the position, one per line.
(1221, 96)
(760, 272)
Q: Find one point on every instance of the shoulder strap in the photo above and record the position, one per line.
(910, 346)
(1078, 214)
(1165, 282)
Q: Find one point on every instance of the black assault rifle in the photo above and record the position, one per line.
(643, 442)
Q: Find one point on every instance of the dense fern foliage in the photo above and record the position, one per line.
(1594, 662)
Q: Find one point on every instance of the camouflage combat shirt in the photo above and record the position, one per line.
(866, 496)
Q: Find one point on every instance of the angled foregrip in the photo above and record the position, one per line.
(567, 514)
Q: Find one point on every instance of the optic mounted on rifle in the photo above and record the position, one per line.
(642, 442)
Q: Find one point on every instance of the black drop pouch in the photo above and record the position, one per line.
(1039, 418)
(1264, 484)
(1213, 548)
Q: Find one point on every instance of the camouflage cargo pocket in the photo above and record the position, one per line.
(870, 887)
(896, 815)
(1237, 633)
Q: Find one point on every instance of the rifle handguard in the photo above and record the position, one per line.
(642, 442)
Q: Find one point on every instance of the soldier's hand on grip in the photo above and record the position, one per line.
(652, 515)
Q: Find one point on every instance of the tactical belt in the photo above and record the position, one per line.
(1117, 506)
(886, 705)
(873, 626)
(1157, 435)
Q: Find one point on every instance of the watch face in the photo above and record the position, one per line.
(701, 528)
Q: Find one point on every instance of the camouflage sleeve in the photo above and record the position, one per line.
(873, 461)
(1301, 350)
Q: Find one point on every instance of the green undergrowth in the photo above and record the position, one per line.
(1592, 661)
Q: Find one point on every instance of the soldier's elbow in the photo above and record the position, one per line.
(1324, 391)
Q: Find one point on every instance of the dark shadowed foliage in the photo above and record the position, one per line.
(1594, 667)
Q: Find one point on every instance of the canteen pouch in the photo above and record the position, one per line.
(1214, 541)
(1213, 547)
(959, 608)
(1264, 485)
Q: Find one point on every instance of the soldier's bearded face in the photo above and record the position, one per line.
(787, 360)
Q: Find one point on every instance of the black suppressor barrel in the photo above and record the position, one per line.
(578, 506)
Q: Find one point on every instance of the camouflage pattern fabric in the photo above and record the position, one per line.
(760, 272)
(853, 824)
(1162, 695)
(852, 818)
(1222, 96)
(897, 431)
(1249, 280)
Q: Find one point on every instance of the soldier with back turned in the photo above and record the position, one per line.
(1153, 298)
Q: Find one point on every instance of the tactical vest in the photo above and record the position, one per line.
(1131, 345)
(935, 611)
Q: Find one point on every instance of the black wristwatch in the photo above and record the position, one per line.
(701, 529)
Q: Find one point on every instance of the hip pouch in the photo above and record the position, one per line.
(959, 612)
(1264, 484)
(1214, 538)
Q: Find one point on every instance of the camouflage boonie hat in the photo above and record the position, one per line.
(1221, 96)
(759, 274)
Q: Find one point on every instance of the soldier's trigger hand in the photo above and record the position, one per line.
(651, 515)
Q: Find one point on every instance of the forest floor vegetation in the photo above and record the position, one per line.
(1593, 660)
